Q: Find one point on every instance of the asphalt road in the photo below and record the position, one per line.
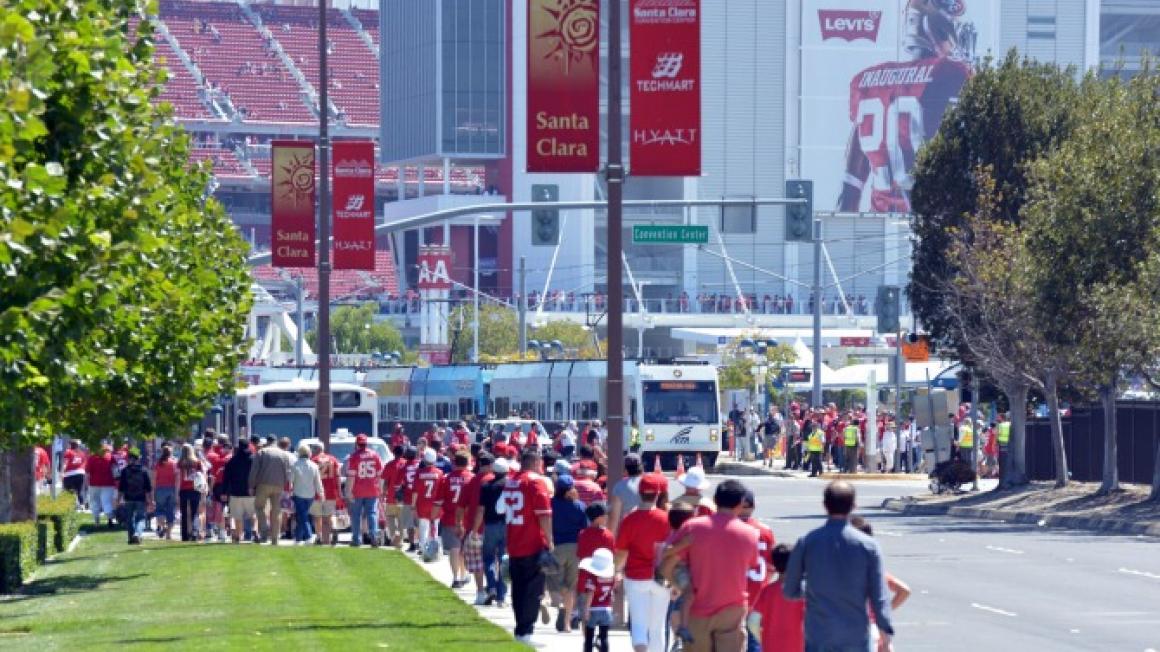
(981, 586)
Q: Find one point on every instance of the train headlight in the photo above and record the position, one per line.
(648, 435)
(713, 432)
(712, 437)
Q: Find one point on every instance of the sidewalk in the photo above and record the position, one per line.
(729, 466)
(545, 637)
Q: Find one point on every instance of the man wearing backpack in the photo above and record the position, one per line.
(136, 493)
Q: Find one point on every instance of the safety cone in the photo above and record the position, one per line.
(699, 463)
(680, 466)
(657, 464)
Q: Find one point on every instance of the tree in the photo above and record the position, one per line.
(119, 312)
(1094, 220)
(736, 370)
(354, 329)
(573, 336)
(498, 331)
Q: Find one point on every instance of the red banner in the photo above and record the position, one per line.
(434, 268)
(292, 203)
(563, 85)
(665, 124)
(354, 205)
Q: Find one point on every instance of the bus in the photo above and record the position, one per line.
(677, 411)
(287, 409)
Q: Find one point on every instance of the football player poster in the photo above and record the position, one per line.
(877, 77)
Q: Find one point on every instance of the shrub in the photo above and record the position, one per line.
(17, 554)
(62, 511)
(45, 539)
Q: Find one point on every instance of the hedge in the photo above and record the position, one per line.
(18, 544)
(65, 518)
(45, 539)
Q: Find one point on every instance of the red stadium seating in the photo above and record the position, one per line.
(344, 284)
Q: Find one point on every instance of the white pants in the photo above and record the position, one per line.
(424, 532)
(648, 608)
(101, 500)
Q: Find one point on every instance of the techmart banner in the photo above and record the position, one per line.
(563, 85)
(354, 205)
(877, 77)
(665, 87)
(292, 203)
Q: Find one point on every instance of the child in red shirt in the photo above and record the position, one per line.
(776, 621)
(596, 586)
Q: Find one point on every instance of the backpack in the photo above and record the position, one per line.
(134, 479)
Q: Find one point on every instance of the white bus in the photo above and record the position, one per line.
(677, 411)
(287, 409)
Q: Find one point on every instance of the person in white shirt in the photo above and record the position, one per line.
(305, 486)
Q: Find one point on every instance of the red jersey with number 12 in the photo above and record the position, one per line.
(525, 499)
(364, 467)
(427, 496)
(897, 106)
(759, 575)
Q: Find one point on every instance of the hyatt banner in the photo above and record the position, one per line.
(292, 203)
(563, 85)
(876, 78)
(665, 88)
(354, 205)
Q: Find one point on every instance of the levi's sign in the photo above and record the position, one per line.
(661, 234)
(849, 25)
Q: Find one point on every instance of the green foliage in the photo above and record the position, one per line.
(1007, 116)
(65, 518)
(572, 335)
(498, 332)
(355, 330)
(736, 365)
(18, 543)
(120, 315)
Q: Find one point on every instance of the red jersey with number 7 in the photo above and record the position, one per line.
(759, 574)
(365, 467)
(525, 499)
(427, 494)
(453, 490)
(601, 589)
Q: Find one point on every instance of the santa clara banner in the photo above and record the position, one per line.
(354, 205)
(563, 85)
(665, 87)
(292, 203)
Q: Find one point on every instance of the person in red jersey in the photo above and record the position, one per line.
(394, 475)
(775, 620)
(43, 467)
(759, 575)
(527, 507)
(102, 485)
(330, 470)
(473, 539)
(896, 106)
(408, 520)
(363, 471)
(72, 471)
(597, 584)
(426, 496)
(452, 491)
(637, 540)
(398, 437)
(461, 436)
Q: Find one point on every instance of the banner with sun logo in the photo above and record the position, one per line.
(665, 87)
(292, 198)
(563, 85)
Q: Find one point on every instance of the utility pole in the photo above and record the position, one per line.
(323, 401)
(816, 289)
(899, 376)
(523, 307)
(301, 325)
(975, 428)
(475, 294)
(614, 396)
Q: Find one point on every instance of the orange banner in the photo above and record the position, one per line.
(292, 203)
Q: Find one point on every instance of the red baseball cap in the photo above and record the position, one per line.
(653, 483)
(361, 440)
(587, 464)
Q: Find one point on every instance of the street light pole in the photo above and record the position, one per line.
(816, 399)
(614, 396)
(322, 403)
(475, 284)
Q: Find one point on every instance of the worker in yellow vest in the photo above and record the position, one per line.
(850, 439)
(1003, 433)
(815, 447)
(966, 441)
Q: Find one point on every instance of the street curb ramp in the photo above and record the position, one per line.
(1074, 522)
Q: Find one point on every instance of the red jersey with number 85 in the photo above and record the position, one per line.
(454, 490)
(427, 494)
(525, 499)
(759, 575)
(365, 467)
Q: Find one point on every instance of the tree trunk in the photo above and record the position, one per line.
(1111, 480)
(1015, 469)
(18, 477)
(1051, 388)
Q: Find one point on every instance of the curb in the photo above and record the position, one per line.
(911, 477)
(740, 468)
(1074, 522)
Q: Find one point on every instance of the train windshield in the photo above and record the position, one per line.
(680, 401)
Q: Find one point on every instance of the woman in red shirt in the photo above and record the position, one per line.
(165, 491)
(641, 533)
(192, 482)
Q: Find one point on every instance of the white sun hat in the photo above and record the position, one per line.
(599, 564)
(695, 479)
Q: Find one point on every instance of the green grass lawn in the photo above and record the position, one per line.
(106, 595)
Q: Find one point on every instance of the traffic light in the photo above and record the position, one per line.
(545, 222)
(886, 307)
(799, 218)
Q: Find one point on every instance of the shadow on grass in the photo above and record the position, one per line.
(326, 626)
(152, 640)
(51, 586)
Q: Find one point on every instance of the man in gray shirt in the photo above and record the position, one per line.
(842, 573)
(269, 474)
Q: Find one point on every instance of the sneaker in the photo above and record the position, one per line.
(561, 625)
(490, 598)
(500, 603)
(545, 616)
(413, 548)
(481, 599)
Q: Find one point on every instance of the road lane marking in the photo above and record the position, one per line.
(1104, 614)
(1010, 551)
(891, 534)
(1129, 571)
(1075, 631)
(983, 607)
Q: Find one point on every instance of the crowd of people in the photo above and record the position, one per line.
(531, 522)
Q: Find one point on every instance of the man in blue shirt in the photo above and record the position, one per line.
(842, 573)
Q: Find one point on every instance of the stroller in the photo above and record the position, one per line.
(950, 476)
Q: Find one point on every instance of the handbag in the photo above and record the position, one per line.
(200, 484)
